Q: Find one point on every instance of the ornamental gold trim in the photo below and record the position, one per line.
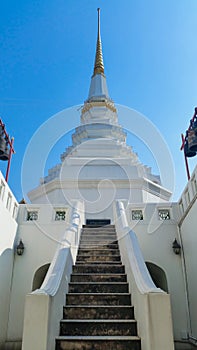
(107, 104)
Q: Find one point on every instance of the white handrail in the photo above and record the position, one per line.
(54, 275)
(141, 274)
(152, 304)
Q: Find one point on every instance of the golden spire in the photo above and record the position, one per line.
(98, 64)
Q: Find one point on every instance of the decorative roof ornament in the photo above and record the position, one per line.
(98, 64)
(98, 91)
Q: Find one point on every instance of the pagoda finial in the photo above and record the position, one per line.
(98, 64)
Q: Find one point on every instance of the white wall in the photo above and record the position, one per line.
(49, 299)
(188, 236)
(40, 239)
(155, 238)
(151, 304)
(8, 228)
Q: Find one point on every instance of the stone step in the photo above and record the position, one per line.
(98, 252)
(98, 327)
(87, 258)
(98, 343)
(98, 243)
(98, 277)
(98, 299)
(98, 231)
(106, 227)
(98, 246)
(90, 233)
(98, 312)
(97, 236)
(96, 262)
(104, 287)
(101, 227)
(104, 268)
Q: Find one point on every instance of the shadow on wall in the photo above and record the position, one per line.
(158, 275)
(6, 268)
(39, 276)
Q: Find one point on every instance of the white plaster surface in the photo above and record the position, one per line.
(8, 227)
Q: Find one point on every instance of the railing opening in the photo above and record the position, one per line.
(158, 275)
(39, 276)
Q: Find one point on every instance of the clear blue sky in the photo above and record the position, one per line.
(47, 53)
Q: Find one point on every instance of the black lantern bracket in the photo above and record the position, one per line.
(176, 247)
(20, 248)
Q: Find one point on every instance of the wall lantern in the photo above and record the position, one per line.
(20, 248)
(176, 247)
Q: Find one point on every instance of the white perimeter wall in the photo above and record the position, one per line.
(8, 226)
(155, 238)
(188, 236)
(40, 239)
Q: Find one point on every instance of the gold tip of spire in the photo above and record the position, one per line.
(98, 64)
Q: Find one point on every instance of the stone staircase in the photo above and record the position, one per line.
(98, 314)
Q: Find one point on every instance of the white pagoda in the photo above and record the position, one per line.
(100, 186)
